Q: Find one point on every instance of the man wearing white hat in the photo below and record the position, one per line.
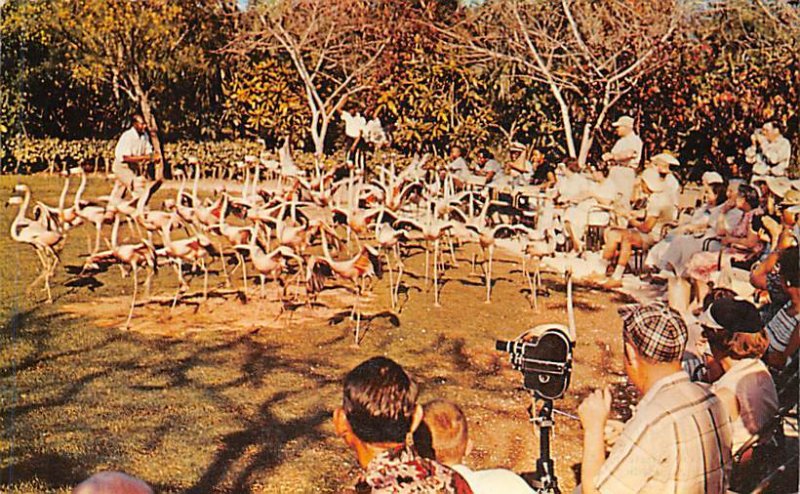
(770, 152)
(640, 232)
(664, 163)
(623, 159)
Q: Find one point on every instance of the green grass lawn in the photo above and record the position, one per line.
(250, 411)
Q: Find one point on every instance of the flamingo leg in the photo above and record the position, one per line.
(205, 280)
(244, 274)
(452, 251)
(489, 276)
(224, 265)
(527, 275)
(537, 281)
(436, 274)
(427, 261)
(135, 269)
(391, 280)
(181, 283)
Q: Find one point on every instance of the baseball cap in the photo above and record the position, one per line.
(623, 121)
(734, 316)
(657, 331)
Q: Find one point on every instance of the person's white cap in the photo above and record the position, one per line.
(623, 121)
(711, 178)
(665, 159)
(517, 146)
(778, 185)
(652, 179)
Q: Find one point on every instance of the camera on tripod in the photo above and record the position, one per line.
(544, 356)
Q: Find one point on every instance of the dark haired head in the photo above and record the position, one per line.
(750, 195)
(720, 193)
(485, 153)
(379, 401)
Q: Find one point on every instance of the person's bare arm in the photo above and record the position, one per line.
(593, 413)
(644, 226)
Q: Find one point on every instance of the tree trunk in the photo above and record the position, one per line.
(586, 143)
(147, 112)
(315, 134)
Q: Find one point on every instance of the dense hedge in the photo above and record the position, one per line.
(216, 158)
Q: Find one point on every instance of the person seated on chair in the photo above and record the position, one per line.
(737, 339)
(640, 233)
(679, 438)
(488, 166)
(377, 419)
(665, 163)
(784, 328)
(443, 436)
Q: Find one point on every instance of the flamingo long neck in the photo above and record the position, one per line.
(79, 193)
(63, 198)
(20, 216)
(181, 188)
(224, 211)
(570, 309)
(325, 249)
(254, 186)
(195, 185)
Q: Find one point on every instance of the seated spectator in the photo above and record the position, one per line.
(444, 429)
(488, 166)
(640, 232)
(765, 275)
(664, 163)
(737, 340)
(679, 438)
(784, 328)
(671, 253)
(519, 166)
(543, 170)
(770, 152)
(112, 483)
(741, 243)
(458, 166)
(378, 416)
(574, 193)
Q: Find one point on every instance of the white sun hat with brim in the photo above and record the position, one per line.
(623, 121)
(779, 185)
(652, 179)
(711, 178)
(665, 159)
(517, 146)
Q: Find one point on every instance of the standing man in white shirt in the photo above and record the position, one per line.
(133, 148)
(770, 152)
(624, 157)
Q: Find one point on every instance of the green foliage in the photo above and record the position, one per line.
(266, 99)
(432, 102)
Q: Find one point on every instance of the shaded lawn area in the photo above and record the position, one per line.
(250, 411)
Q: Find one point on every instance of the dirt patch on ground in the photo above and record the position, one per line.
(450, 348)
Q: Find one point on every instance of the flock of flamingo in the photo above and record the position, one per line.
(284, 228)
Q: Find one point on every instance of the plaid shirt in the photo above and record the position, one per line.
(678, 441)
(403, 471)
